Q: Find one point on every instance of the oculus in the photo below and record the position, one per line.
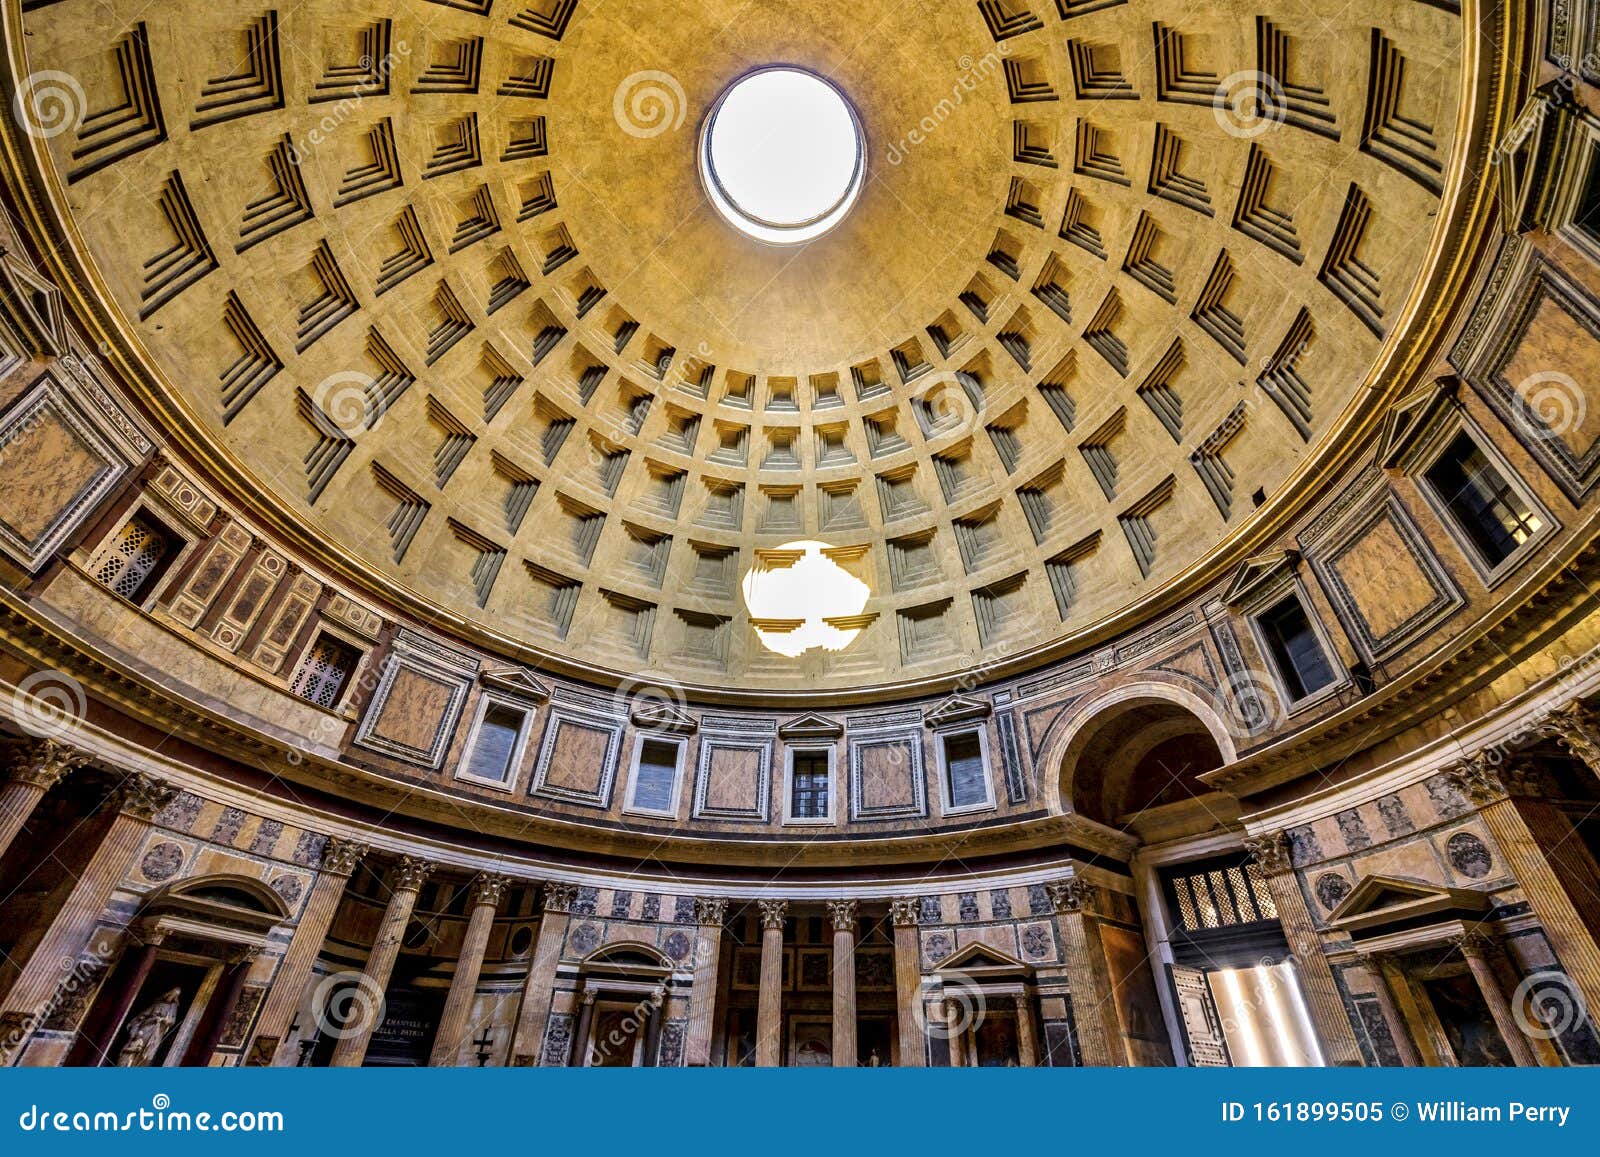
(782, 155)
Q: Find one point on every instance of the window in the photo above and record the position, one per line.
(139, 557)
(809, 781)
(966, 779)
(1302, 664)
(1220, 894)
(655, 777)
(1492, 514)
(498, 743)
(326, 671)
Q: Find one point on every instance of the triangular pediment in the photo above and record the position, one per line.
(35, 304)
(811, 726)
(656, 715)
(1411, 417)
(516, 681)
(1256, 573)
(983, 959)
(957, 709)
(1383, 900)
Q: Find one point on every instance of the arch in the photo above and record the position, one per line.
(1110, 742)
(627, 956)
(228, 891)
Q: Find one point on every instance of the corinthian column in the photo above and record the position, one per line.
(769, 1008)
(1099, 1030)
(1474, 948)
(1334, 1031)
(454, 1026)
(903, 912)
(1380, 968)
(1576, 726)
(31, 769)
(405, 880)
(137, 800)
(844, 982)
(339, 860)
(527, 1045)
(709, 914)
(1549, 861)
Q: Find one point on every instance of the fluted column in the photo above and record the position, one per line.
(584, 1030)
(137, 800)
(527, 1046)
(405, 880)
(339, 860)
(1099, 1031)
(843, 913)
(903, 913)
(769, 1009)
(1027, 1041)
(652, 1028)
(1379, 968)
(1335, 1033)
(709, 914)
(1474, 948)
(1555, 870)
(455, 1021)
(31, 769)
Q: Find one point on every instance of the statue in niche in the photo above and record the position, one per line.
(147, 1030)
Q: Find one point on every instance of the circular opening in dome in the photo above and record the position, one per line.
(782, 155)
(800, 598)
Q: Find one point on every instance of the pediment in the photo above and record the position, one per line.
(35, 304)
(655, 715)
(1412, 417)
(982, 959)
(957, 709)
(811, 726)
(516, 681)
(1257, 573)
(1378, 901)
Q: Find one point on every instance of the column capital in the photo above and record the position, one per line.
(408, 873)
(1272, 851)
(488, 888)
(905, 911)
(710, 910)
(773, 912)
(340, 856)
(844, 913)
(559, 898)
(142, 796)
(1374, 960)
(1073, 894)
(1473, 944)
(589, 994)
(42, 763)
(1480, 778)
(1576, 726)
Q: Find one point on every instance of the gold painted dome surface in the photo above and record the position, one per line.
(438, 286)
